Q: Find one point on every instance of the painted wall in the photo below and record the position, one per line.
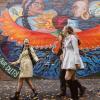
(41, 21)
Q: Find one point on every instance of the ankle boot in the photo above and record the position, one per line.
(62, 93)
(35, 93)
(81, 88)
(16, 97)
(73, 89)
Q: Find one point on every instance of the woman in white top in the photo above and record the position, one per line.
(26, 68)
(71, 61)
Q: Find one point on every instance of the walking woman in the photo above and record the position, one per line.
(71, 61)
(26, 68)
(62, 71)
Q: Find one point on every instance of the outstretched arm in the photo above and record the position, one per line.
(18, 61)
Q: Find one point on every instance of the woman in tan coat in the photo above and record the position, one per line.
(26, 68)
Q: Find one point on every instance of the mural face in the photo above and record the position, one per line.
(80, 9)
(41, 21)
(15, 11)
(36, 7)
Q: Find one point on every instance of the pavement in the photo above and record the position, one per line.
(48, 89)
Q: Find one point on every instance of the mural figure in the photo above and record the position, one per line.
(86, 9)
(80, 9)
(38, 18)
(43, 24)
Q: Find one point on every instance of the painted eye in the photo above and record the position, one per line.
(75, 7)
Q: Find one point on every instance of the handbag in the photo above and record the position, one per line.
(31, 57)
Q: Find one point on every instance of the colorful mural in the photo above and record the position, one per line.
(41, 21)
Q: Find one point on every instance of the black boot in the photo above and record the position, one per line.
(62, 83)
(16, 97)
(35, 95)
(73, 89)
(81, 88)
(62, 93)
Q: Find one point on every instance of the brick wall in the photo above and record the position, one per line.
(3, 76)
(3, 5)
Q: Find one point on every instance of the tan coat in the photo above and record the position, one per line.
(26, 67)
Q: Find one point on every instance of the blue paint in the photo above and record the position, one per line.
(50, 65)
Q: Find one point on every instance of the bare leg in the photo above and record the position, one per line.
(17, 93)
(20, 84)
(70, 75)
(73, 76)
(29, 82)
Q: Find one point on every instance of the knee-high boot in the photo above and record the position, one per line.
(16, 97)
(81, 88)
(62, 83)
(73, 89)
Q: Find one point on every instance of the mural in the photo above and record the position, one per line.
(41, 21)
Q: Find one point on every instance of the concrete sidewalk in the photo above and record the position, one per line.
(48, 89)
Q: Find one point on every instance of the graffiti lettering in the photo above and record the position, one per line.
(8, 68)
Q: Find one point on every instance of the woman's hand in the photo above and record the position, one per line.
(77, 66)
(12, 63)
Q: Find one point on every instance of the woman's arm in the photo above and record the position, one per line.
(74, 42)
(18, 61)
(67, 40)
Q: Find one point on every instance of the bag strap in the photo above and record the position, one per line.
(29, 52)
(31, 57)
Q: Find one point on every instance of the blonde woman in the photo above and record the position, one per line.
(71, 61)
(26, 68)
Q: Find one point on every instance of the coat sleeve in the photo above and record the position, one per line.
(74, 42)
(18, 61)
(67, 41)
(34, 54)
